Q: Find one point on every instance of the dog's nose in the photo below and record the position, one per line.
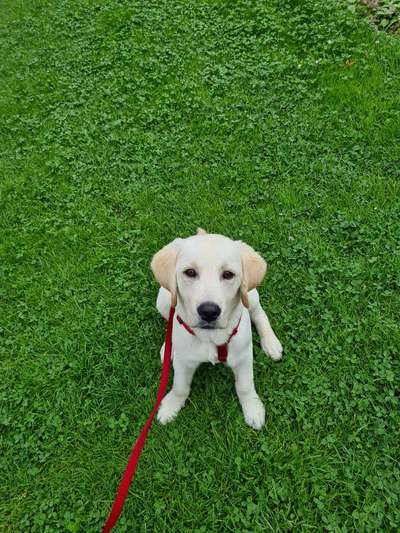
(209, 311)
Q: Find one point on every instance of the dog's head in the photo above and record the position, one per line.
(208, 274)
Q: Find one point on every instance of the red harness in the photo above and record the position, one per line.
(137, 449)
(222, 349)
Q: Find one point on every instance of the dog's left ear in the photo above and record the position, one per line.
(253, 271)
(163, 266)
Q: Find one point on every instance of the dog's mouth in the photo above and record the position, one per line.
(208, 326)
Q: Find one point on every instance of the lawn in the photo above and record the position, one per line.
(125, 124)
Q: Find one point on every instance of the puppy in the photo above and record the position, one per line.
(212, 281)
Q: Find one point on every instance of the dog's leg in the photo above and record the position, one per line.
(269, 341)
(163, 302)
(176, 398)
(252, 406)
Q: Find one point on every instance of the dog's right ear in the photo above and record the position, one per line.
(253, 271)
(163, 266)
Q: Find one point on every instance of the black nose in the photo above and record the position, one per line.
(209, 311)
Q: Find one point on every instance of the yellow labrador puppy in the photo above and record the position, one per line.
(212, 281)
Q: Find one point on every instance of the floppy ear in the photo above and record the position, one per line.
(163, 267)
(253, 271)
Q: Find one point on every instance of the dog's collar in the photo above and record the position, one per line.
(222, 349)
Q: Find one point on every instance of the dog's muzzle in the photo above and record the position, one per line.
(208, 312)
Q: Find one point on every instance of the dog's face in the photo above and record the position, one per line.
(209, 274)
(208, 277)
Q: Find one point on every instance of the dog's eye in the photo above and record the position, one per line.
(190, 273)
(227, 274)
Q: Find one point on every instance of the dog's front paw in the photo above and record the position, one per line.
(272, 347)
(254, 413)
(170, 407)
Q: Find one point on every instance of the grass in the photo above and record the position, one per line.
(126, 124)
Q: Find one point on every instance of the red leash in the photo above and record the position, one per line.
(137, 449)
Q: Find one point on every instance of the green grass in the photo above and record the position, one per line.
(125, 124)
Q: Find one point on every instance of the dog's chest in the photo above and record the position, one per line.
(202, 352)
(212, 354)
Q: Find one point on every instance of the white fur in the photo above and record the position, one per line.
(210, 255)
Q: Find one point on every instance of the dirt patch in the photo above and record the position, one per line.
(384, 14)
